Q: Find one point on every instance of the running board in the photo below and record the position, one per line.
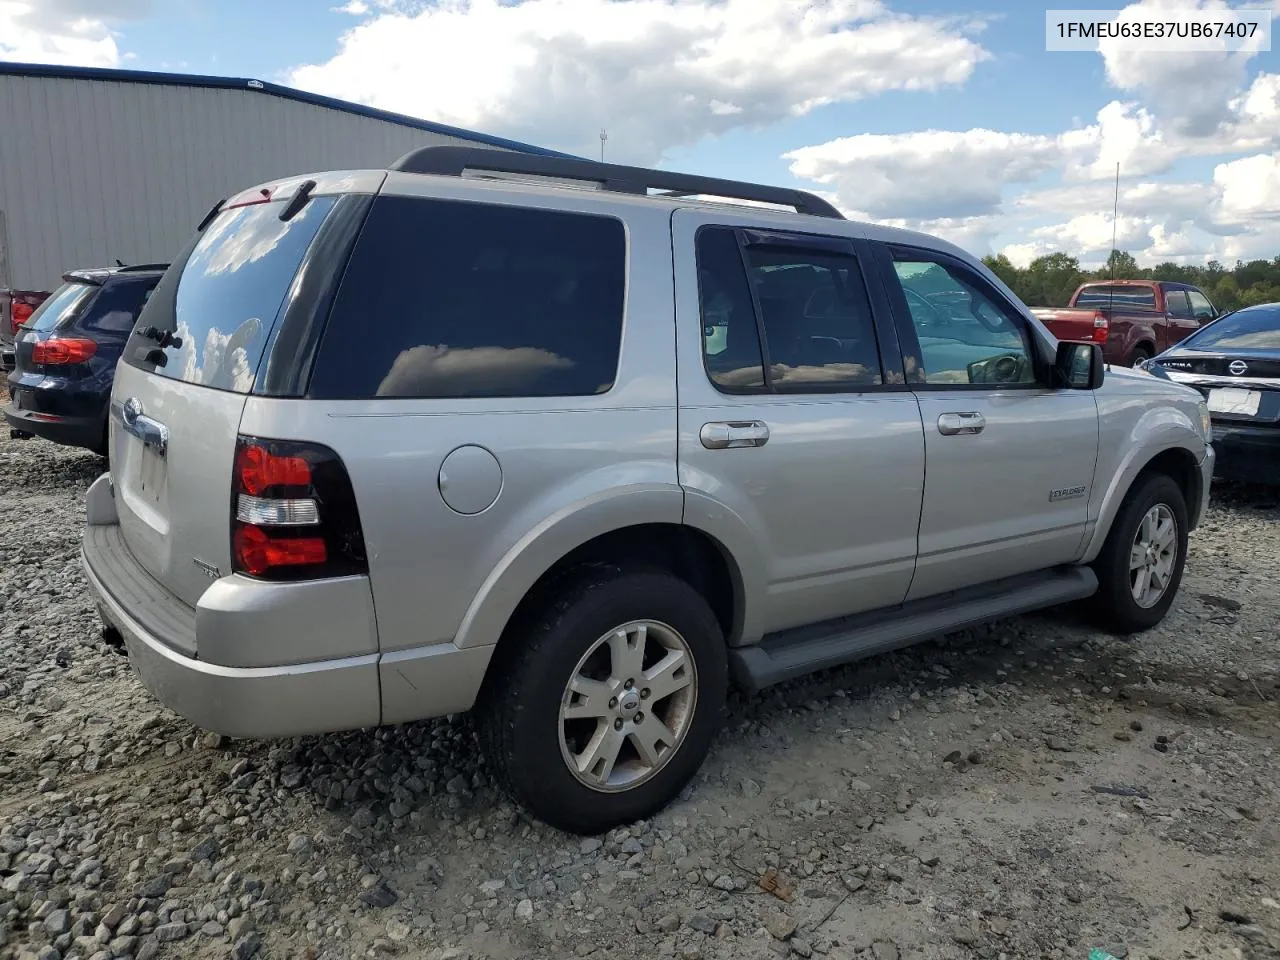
(794, 653)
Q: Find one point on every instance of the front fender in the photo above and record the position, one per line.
(1152, 433)
(598, 505)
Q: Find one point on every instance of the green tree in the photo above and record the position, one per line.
(1050, 280)
(1002, 268)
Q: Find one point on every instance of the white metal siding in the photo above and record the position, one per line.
(94, 170)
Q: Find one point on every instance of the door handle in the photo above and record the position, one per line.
(959, 424)
(726, 434)
(153, 434)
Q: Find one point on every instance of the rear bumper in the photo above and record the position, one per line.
(84, 432)
(1247, 454)
(165, 638)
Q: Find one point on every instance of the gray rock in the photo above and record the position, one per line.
(1058, 744)
(156, 887)
(702, 923)
(57, 922)
(246, 947)
(801, 948)
(883, 950)
(169, 932)
(668, 923)
(524, 910)
(148, 949)
(590, 845)
(780, 925)
(379, 897)
(123, 946)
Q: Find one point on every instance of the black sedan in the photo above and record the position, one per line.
(66, 355)
(1235, 362)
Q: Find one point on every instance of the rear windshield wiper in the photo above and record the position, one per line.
(163, 337)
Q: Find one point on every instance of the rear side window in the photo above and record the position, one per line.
(1120, 295)
(448, 299)
(61, 308)
(232, 286)
(118, 305)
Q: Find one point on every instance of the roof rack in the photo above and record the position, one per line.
(451, 161)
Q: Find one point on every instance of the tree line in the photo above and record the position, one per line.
(1049, 281)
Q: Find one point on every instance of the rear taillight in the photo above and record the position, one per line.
(1101, 327)
(57, 352)
(20, 314)
(293, 512)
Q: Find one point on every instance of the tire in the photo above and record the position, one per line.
(1139, 354)
(529, 744)
(1115, 604)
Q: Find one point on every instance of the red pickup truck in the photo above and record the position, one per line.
(1132, 319)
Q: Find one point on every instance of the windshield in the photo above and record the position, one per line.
(1253, 328)
(231, 288)
(61, 307)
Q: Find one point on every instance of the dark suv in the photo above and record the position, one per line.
(66, 355)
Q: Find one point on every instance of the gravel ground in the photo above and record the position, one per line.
(1034, 789)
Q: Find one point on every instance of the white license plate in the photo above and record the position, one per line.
(1234, 400)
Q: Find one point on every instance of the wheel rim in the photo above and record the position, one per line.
(1154, 552)
(628, 706)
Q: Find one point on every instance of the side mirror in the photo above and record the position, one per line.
(1078, 366)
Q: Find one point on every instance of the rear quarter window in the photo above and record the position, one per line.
(449, 299)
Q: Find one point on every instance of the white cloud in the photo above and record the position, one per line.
(933, 173)
(1189, 90)
(1124, 133)
(656, 73)
(1249, 188)
(63, 31)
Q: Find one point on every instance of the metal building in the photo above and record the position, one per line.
(98, 165)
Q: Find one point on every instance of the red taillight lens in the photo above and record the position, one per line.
(257, 468)
(20, 314)
(256, 552)
(293, 512)
(57, 352)
(1101, 328)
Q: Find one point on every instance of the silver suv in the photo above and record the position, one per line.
(569, 444)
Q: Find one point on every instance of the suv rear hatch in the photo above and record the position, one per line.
(188, 368)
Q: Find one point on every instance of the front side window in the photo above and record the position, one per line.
(966, 337)
(812, 307)
(452, 299)
(1176, 303)
(1201, 308)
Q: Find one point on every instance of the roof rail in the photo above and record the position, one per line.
(453, 161)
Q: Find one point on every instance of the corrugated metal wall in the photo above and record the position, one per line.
(92, 170)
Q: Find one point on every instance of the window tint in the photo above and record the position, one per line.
(731, 339)
(1122, 295)
(452, 299)
(1201, 308)
(118, 305)
(966, 335)
(813, 308)
(61, 307)
(1253, 328)
(1176, 303)
(231, 288)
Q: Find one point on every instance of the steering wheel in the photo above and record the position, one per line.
(915, 300)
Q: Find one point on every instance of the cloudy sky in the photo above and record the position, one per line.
(944, 116)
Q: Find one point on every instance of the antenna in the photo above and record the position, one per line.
(1115, 222)
(604, 135)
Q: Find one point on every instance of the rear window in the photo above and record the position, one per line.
(446, 299)
(1254, 328)
(61, 308)
(1117, 294)
(117, 307)
(231, 289)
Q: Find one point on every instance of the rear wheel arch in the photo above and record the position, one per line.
(678, 549)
